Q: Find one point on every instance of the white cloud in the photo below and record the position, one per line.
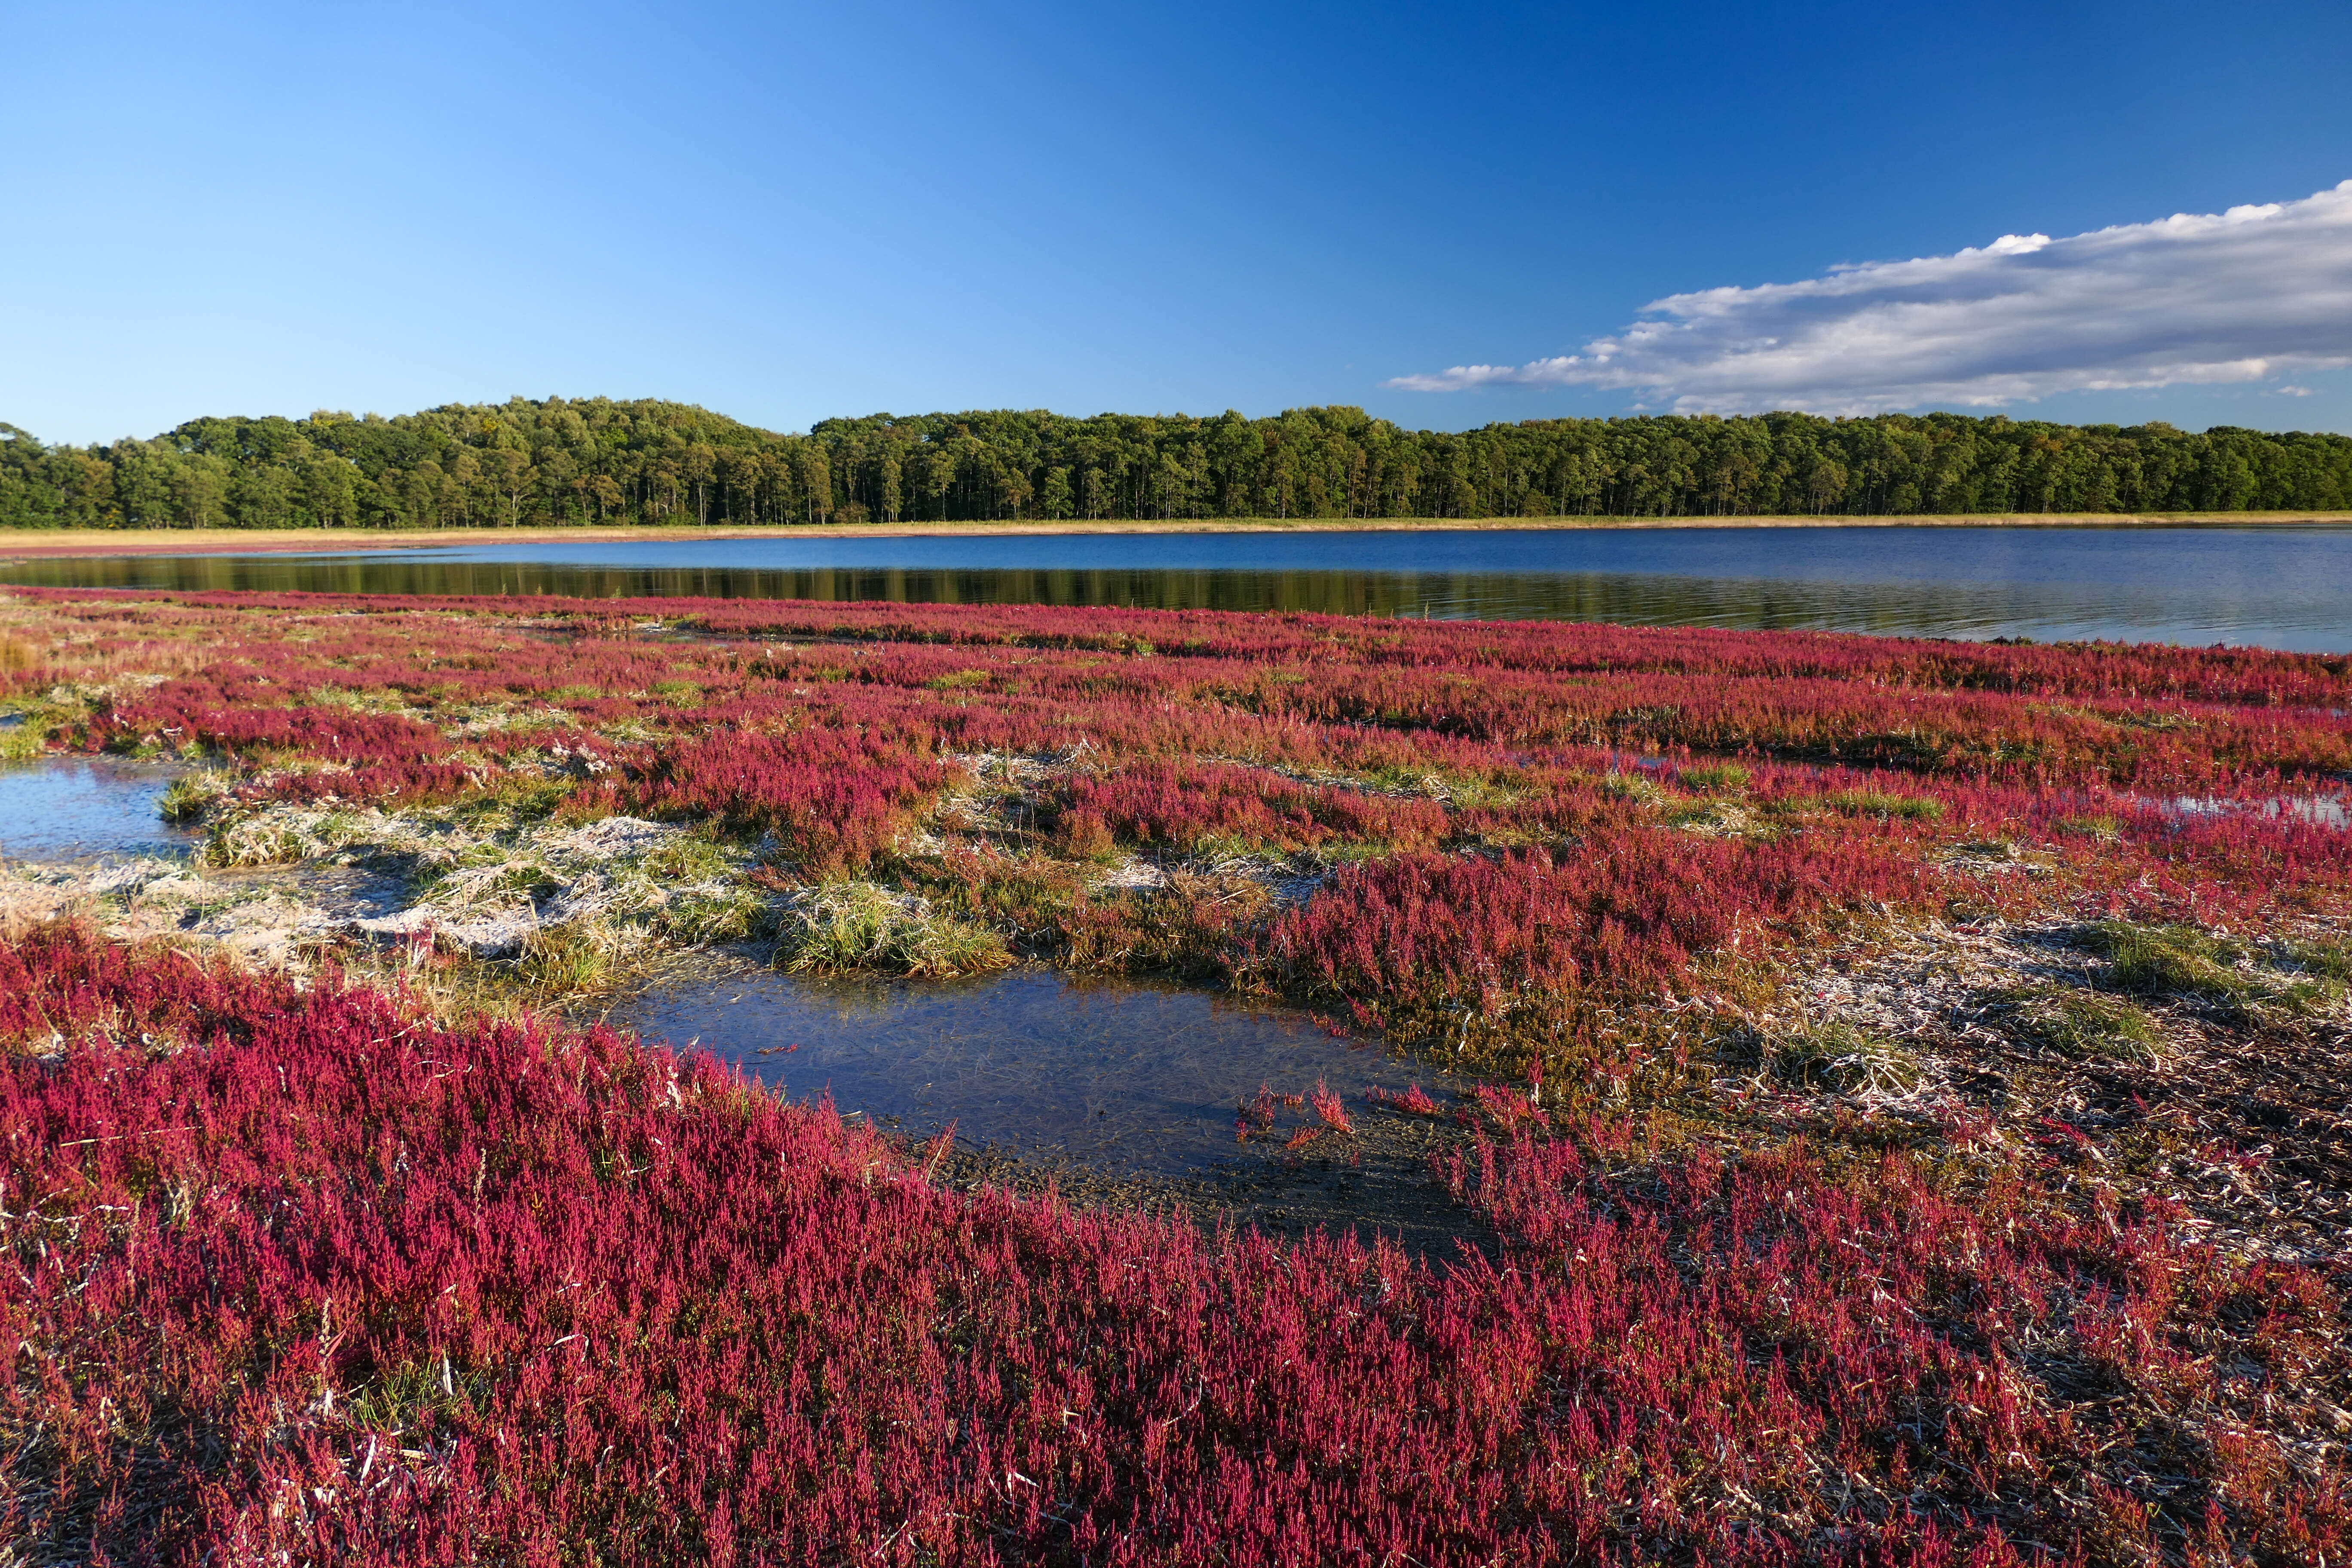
(2254, 292)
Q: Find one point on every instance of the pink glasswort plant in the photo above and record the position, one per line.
(302, 1274)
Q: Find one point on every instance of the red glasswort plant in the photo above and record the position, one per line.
(1502, 810)
(1328, 1106)
(302, 1275)
(1629, 913)
(305, 1274)
(1470, 782)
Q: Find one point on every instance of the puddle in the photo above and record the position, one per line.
(86, 808)
(2321, 811)
(1125, 1078)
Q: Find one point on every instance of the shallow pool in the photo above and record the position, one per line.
(1126, 1077)
(86, 808)
(2320, 811)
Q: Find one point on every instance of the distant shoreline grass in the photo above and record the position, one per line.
(23, 542)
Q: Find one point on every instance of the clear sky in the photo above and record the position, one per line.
(784, 212)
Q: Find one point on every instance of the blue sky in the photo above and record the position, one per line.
(787, 211)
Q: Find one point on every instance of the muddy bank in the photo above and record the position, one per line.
(2162, 1067)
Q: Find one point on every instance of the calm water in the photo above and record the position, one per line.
(1122, 1077)
(2321, 811)
(2276, 587)
(86, 808)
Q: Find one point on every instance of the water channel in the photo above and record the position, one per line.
(2276, 586)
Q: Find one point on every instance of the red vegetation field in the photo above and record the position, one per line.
(1282, 732)
(302, 1274)
(1412, 748)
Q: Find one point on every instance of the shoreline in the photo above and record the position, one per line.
(44, 544)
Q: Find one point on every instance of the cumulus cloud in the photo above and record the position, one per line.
(2245, 295)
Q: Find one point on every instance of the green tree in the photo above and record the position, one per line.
(508, 474)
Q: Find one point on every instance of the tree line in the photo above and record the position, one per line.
(560, 461)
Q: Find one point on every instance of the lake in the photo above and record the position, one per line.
(2285, 587)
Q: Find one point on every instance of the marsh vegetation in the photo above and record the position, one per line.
(1888, 1125)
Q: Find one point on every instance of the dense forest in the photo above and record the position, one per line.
(596, 460)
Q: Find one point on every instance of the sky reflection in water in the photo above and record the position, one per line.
(86, 808)
(1124, 1076)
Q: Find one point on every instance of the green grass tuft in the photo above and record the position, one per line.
(23, 741)
(2078, 1023)
(1639, 788)
(2322, 959)
(1883, 805)
(192, 796)
(849, 926)
(2246, 982)
(559, 961)
(1841, 1058)
(2173, 960)
(1719, 776)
